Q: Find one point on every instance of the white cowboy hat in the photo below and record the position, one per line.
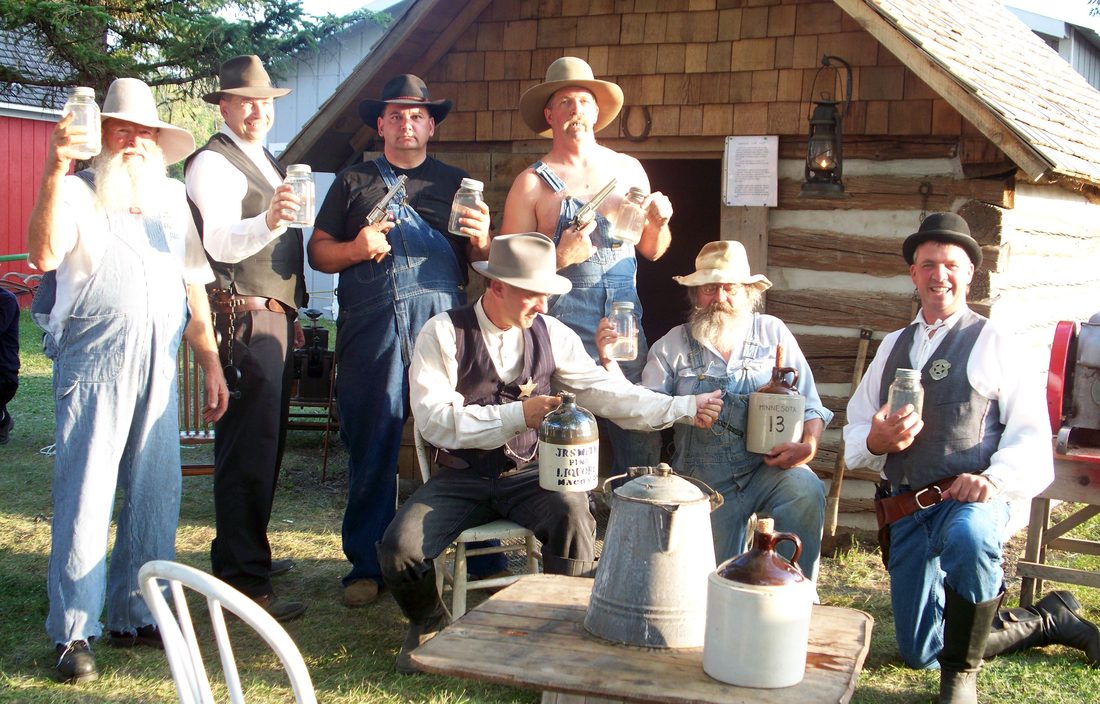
(132, 100)
(723, 262)
(566, 72)
(526, 261)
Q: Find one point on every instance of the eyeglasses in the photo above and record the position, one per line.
(712, 289)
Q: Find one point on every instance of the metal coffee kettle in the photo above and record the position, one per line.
(651, 582)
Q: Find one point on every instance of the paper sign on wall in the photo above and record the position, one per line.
(751, 167)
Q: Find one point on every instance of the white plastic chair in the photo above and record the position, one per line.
(182, 647)
(502, 529)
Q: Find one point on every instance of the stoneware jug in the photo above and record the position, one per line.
(775, 410)
(758, 615)
(651, 581)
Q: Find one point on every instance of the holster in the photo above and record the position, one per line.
(890, 508)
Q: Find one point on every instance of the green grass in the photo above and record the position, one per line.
(350, 652)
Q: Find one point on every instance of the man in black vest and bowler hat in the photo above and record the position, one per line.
(242, 209)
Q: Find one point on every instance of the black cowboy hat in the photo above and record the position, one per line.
(943, 227)
(405, 89)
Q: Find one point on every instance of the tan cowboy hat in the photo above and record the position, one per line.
(526, 261)
(405, 89)
(244, 76)
(723, 262)
(566, 72)
(132, 100)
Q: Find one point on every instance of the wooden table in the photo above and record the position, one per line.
(1077, 480)
(532, 635)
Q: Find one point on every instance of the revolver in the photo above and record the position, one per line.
(378, 212)
(588, 211)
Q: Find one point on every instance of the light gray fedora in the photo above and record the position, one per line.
(527, 260)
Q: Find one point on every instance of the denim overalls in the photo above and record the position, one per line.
(117, 427)
(717, 456)
(607, 276)
(383, 305)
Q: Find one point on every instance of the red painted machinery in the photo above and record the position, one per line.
(1073, 386)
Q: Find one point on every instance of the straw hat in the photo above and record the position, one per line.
(526, 261)
(949, 228)
(405, 89)
(567, 72)
(132, 100)
(244, 76)
(723, 262)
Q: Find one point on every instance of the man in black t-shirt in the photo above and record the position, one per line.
(394, 276)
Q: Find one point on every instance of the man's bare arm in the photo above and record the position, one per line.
(45, 244)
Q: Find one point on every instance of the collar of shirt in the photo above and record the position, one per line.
(505, 346)
(255, 154)
(929, 336)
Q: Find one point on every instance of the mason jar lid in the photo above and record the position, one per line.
(622, 305)
(637, 193)
(298, 169)
(83, 92)
(907, 374)
(472, 184)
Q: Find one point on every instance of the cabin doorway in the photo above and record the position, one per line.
(694, 187)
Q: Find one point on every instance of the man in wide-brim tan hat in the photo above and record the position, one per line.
(125, 264)
(483, 376)
(726, 345)
(570, 106)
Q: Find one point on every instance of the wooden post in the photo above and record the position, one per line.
(749, 226)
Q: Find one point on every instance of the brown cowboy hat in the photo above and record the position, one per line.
(566, 72)
(131, 100)
(526, 261)
(405, 89)
(244, 76)
(949, 228)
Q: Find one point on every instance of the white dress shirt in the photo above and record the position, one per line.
(445, 420)
(1023, 464)
(217, 189)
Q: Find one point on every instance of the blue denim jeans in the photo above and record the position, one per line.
(953, 542)
(117, 429)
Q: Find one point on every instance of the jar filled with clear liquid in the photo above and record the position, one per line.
(906, 389)
(630, 220)
(81, 104)
(300, 178)
(625, 325)
(468, 196)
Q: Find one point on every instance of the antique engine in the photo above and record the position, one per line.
(1073, 385)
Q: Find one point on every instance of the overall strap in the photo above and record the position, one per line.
(386, 171)
(695, 351)
(548, 176)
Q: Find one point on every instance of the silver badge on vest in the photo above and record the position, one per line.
(939, 369)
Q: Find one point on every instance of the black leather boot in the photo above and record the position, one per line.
(75, 662)
(570, 568)
(420, 602)
(965, 631)
(1051, 621)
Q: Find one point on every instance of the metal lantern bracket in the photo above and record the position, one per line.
(825, 148)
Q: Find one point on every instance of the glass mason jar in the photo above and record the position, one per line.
(81, 103)
(630, 220)
(906, 389)
(300, 178)
(625, 325)
(468, 195)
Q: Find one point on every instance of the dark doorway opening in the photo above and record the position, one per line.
(694, 187)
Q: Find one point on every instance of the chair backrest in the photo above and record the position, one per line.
(193, 429)
(181, 645)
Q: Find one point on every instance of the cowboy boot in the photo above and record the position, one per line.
(965, 630)
(427, 615)
(570, 568)
(1051, 621)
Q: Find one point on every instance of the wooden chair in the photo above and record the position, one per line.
(194, 431)
(181, 645)
(513, 538)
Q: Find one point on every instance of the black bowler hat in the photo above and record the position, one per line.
(405, 89)
(943, 227)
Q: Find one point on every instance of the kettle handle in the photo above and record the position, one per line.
(780, 537)
(715, 498)
(605, 488)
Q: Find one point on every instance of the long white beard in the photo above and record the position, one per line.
(719, 324)
(135, 183)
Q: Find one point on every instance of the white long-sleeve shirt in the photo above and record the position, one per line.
(217, 189)
(1023, 463)
(445, 419)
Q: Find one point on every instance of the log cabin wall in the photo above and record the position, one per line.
(696, 71)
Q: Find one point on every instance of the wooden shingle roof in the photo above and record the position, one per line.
(999, 75)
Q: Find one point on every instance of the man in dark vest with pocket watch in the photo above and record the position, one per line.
(242, 209)
(953, 472)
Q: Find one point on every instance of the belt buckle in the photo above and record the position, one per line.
(939, 495)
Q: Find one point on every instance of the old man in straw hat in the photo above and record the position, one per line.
(726, 345)
(244, 209)
(570, 106)
(129, 273)
(483, 376)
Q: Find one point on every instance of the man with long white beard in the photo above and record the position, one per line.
(726, 345)
(127, 282)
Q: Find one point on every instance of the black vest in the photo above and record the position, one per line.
(479, 384)
(962, 428)
(276, 271)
